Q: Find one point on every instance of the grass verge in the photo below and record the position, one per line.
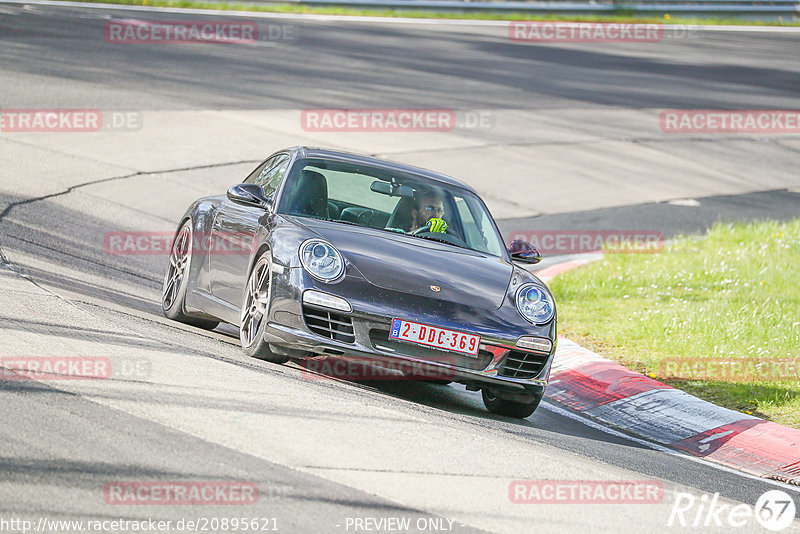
(717, 316)
(666, 18)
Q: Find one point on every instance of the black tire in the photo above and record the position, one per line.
(519, 410)
(173, 292)
(255, 302)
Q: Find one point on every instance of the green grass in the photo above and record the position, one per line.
(733, 294)
(621, 16)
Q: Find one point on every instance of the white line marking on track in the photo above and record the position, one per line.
(354, 18)
(661, 448)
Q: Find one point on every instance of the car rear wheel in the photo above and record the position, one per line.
(173, 293)
(255, 310)
(500, 406)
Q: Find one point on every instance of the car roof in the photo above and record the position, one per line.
(348, 157)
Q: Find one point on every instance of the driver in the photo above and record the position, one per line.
(427, 210)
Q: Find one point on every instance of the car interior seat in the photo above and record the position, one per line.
(311, 195)
(401, 217)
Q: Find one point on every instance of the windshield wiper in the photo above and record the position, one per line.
(439, 240)
(340, 221)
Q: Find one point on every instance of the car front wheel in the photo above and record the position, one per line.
(255, 310)
(520, 410)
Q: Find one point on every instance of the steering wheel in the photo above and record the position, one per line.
(453, 236)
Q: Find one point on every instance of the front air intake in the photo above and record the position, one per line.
(329, 324)
(518, 364)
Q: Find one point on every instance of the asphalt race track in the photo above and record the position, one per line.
(572, 134)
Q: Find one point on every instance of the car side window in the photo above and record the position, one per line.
(476, 229)
(251, 178)
(473, 234)
(273, 172)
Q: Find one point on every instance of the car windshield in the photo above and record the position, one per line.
(389, 200)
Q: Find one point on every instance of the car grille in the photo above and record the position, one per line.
(331, 325)
(520, 364)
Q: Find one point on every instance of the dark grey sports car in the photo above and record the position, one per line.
(325, 254)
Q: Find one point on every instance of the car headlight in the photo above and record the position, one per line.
(535, 304)
(321, 260)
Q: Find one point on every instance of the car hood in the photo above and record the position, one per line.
(418, 266)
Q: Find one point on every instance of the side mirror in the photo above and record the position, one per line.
(249, 195)
(524, 252)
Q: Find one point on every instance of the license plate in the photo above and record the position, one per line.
(433, 336)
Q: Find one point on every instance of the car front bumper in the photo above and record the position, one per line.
(365, 338)
(487, 370)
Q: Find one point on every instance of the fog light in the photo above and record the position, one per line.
(535, 343)
(318, 298)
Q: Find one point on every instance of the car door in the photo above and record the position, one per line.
(234, 230)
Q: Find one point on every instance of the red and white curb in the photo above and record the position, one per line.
(548, 273)
(614, 395)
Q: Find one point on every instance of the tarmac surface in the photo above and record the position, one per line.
(572, 141)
